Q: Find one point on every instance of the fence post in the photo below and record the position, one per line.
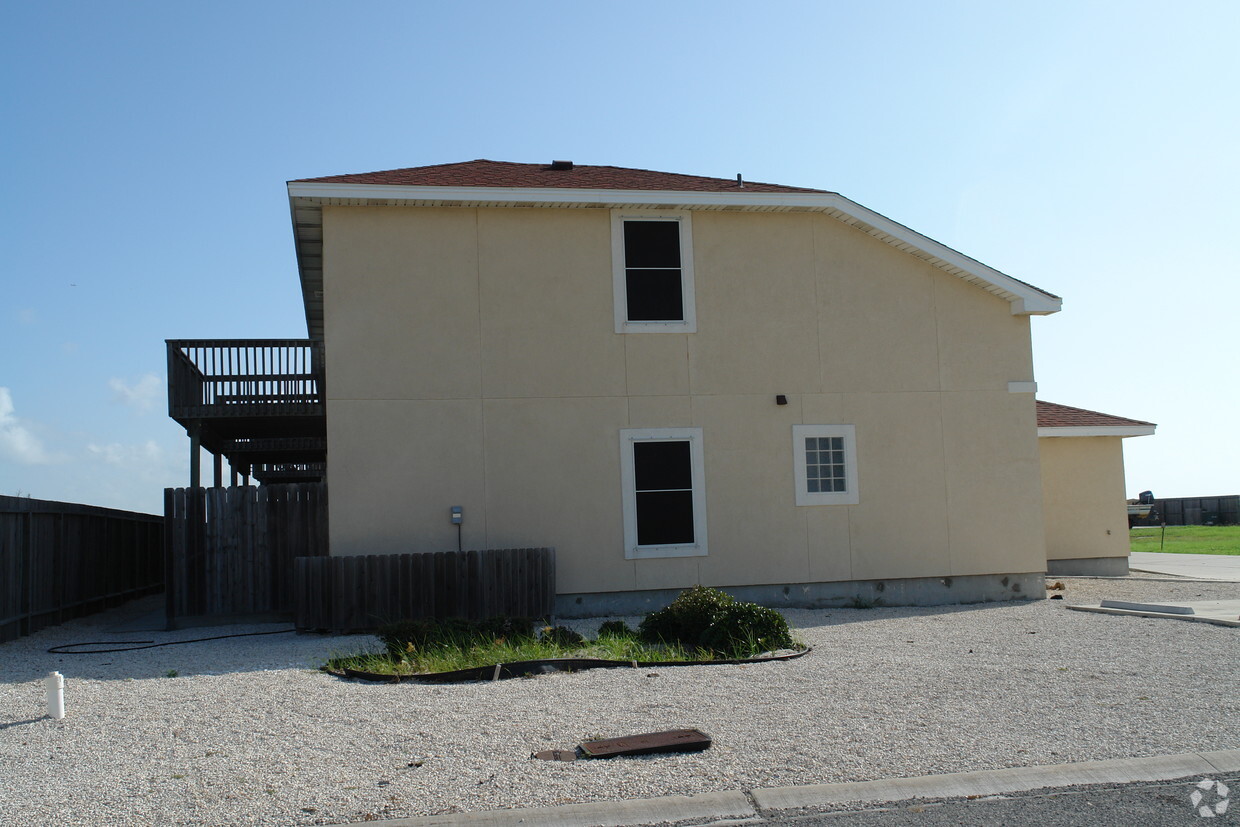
(170, 588)
(27, 559)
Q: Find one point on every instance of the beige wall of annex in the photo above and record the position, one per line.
(401, 302)
(395, 468)
(1083, 497)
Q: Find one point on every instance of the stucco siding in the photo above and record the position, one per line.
(1083, 497)
(473, 361)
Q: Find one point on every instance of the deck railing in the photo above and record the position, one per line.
(244, 377)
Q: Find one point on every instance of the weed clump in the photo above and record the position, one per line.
(561, 636)
(405, 636)
(615, 628)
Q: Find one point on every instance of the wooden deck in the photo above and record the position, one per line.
(256, 402)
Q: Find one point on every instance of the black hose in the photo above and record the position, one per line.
(149, 644)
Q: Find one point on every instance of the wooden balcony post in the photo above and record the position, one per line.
(195, 455)
(219, 470)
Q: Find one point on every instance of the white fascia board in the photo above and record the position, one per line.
(1025, 299)
(1098, 430)
(1029, 301)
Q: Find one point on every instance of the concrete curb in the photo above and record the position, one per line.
(994, 782)
(1216, 619)
(733, 805)
(707, 806)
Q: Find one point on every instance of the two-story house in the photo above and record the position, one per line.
(672, 380)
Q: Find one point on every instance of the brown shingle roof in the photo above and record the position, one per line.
(1051, 415)
(483, 173)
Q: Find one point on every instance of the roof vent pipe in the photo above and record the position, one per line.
(561, 164)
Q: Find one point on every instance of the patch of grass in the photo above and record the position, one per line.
(729, 630)
(449, 657)
(1186, 539)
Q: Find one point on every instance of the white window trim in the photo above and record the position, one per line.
(628, 480)
(804, 496)
(619, 281)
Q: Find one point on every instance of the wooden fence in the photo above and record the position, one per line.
(230, 551)
(1197, 511)
(351, 594)
(59, 561)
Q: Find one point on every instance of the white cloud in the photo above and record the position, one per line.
(141, 456)
(141, 395)
(16, 441)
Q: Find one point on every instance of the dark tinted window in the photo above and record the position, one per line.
(652, 244)
(654, 296)
(652, 271)
(664, 518)
(663, 473)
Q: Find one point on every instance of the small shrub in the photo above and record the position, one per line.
(745, 629)
(688, 616)
(561, 636)
(615, 628)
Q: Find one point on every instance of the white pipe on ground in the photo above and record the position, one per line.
(55, 695)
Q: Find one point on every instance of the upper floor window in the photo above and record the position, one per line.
(825, 464)
(652, 272)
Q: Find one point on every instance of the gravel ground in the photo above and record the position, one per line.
(247, 732)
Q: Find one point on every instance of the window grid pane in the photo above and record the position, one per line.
(825, 465)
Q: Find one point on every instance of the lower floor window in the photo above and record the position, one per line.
(825, 464)
(664, 497)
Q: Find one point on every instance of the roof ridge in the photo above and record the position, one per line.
(670, 178)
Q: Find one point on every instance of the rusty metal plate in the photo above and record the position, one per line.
(556, 755)
(672, 740)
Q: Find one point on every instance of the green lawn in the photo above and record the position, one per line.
(1187, 539)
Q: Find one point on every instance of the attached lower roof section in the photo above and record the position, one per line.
(1064, 420)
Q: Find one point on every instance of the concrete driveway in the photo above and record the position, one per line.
(1204, 566)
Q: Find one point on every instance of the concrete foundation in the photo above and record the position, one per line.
(1090, 566)
(912, 591)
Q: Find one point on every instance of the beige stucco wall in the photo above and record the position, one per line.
(472, 361)
(1083, 497)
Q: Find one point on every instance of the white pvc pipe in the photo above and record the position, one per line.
(55, 695)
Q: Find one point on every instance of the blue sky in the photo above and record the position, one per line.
(1088, 148)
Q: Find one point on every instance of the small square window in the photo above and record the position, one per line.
(825, 464)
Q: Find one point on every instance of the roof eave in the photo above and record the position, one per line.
(1096, 430)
